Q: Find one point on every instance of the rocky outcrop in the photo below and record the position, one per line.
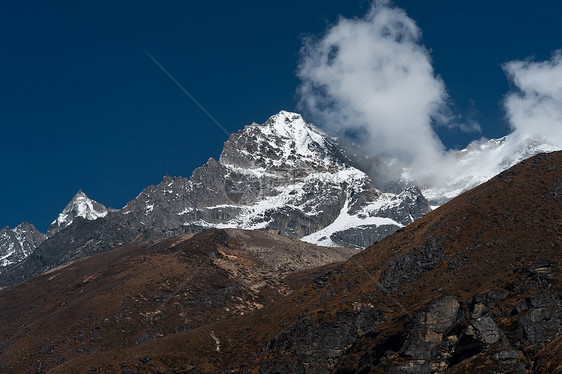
(484, 332)
(18, 244)
(362, 234)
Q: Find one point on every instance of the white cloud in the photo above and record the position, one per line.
(535, 108)
(371, 76)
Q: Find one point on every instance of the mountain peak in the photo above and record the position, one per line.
(25, 226)
(284, 117)
(284, 141)
(167, 179)
(16, 244)
(292, 125)
(80, 206)
(80, 194)
(286, 176)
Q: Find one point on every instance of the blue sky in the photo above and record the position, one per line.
(83, 107)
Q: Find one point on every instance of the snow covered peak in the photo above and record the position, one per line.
(80, 206)
(292, 128)
(80, 195)
(291, 125)
(286, 176)
(284, 141)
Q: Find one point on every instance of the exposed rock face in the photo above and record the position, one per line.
(406, 207)
(285, 176)
(81, 239)
(407, 267)
(17, 244)
(465, 337)
(360, 234)
(427, 336)
(80, 206)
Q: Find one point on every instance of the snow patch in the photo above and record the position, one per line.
(79, 206)
(345, 221)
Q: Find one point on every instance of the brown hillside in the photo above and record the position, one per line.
(472, 287)
(141, 293)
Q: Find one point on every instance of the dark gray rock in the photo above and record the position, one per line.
(408, 267)
(429, 327)
(18, 244)
(541, 271)
(358, 237)
(317, 347)
(509, 354)
(408, 206)
(541, 323)
(509, 361)
(487, 330)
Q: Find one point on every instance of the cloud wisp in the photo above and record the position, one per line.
(534, 109)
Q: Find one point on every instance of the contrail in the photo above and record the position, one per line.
(187, 93)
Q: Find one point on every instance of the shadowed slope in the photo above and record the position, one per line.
(141, 293)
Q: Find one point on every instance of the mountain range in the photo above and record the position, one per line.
(284, 176)
(473, 286)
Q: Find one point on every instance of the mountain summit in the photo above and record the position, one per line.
(80, 206)
(285, 176)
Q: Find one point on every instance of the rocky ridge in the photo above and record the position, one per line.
(285, 176)
(18, 243)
